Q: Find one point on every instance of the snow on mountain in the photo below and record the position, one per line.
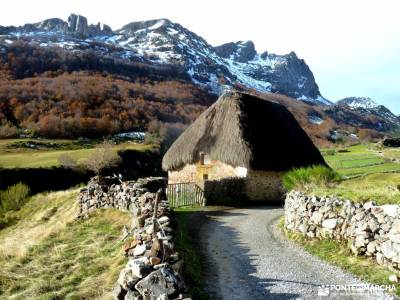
(367, 107)
(161, 41)
(358, 102)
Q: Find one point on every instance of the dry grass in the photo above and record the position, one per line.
(382, 188)
(41, 216)
(49, 255)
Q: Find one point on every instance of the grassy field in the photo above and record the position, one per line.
(339, 254)
(47, 152)
(361, 160)
(46, 254)
(370, 174)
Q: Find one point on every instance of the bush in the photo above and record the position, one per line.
(68, 162)
(304, 178)
(14, 197)
(163, 134)
(104, 157)
(8, 131)
(391, 142)
(330, 152)
(344, 150)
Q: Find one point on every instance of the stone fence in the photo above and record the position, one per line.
(370, 229)
(153, 267)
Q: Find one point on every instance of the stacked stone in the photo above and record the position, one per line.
(110, 193)
(153, 267)
(370, 229)
(152, 271)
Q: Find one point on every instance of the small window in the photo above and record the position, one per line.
(205, 176)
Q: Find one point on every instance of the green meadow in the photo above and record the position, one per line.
(16, 153)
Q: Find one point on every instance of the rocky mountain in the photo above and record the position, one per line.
(358, 110)
(358, 102)
(71, 78)
(163, 42)
(76, 26)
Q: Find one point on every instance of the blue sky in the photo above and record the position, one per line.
(351, 46)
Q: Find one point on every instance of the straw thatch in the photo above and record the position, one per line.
(243, 130)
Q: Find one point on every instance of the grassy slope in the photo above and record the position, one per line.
(360, 160)
(32, 158)
(369, 175)
(49, 255)
(381, 188)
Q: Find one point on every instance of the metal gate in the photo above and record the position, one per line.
(185, 194)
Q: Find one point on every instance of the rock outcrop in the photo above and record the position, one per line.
(239, 51)
(153, 268)
(371, 230)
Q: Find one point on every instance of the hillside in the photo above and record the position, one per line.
(67, 79)
(162, 42)
(46, 254)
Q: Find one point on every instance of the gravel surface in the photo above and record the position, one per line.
(249, 258)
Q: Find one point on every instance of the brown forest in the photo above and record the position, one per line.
(56, 93)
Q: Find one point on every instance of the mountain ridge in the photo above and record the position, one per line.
(165, 42)
(156, 70)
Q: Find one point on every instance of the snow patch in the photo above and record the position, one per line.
(157, 25)
(314, 119)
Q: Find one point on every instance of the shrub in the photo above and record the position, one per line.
(330, 152)
(68, 162)
(163, 134)
(14, 197)
(8, 131)
(104, 157)
(343, 150)
(304, 178)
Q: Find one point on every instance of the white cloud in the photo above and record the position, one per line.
(350, 45)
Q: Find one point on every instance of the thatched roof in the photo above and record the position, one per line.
(243, 130)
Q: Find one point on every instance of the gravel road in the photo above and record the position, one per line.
(249, 258)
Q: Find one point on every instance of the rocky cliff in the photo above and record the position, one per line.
(161, 41)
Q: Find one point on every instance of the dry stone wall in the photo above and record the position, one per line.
(370, 229)
(153, 268)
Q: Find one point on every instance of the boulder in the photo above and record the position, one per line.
(395, 228)
(139, 250)
(126, 279)
(118, 292)
(390, 210)
(388, 250)
(139, 266)
(161, 282)
(329, 223)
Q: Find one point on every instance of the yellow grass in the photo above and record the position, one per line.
(48, 254)
(59, 207)
(32, 158)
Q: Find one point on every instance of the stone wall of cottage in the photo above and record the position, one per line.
(262, 185)
(195, 172)
(370, 229)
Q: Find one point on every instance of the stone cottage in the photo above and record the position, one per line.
(241, 136)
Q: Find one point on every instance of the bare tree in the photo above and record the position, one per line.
(102, 158)
(66, 161)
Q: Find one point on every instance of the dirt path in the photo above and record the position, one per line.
(250, 259)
